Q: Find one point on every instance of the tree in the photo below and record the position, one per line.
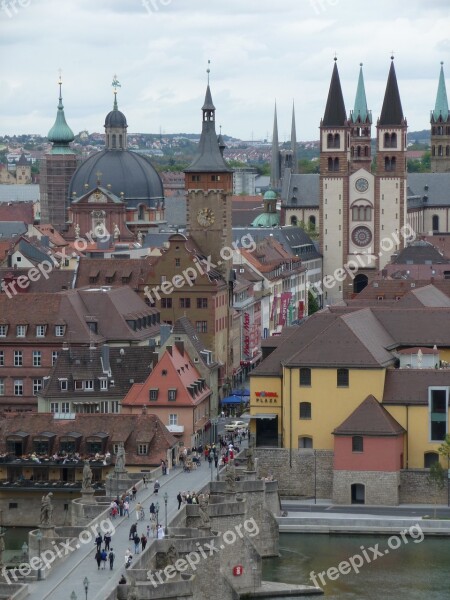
(436, 479)
(444, 450)
(313, 305)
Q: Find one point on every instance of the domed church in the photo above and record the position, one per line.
(123, 176)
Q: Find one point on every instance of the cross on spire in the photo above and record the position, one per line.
(208, 70)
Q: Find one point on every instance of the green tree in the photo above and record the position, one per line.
(436, 479)
(313, 305)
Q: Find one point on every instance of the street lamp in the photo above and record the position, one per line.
(157, 514)
(24, 548)
(86, 585)
(166, 498)
(39, 539)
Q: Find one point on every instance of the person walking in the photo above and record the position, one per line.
(152, 510)
(138, 511)
(143, 542)
(98, 541)
(133, 530)
(133, 492)
(180, 500)
(104, 557)
(128, 558)
(137, 541)
(160, 533)
(148, 531)
(98, 558)
(107, 540)
(126, 509)
(144, 482)
(111, 557)
(156, 487)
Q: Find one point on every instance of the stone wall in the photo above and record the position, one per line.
(298, 472)
(415, 488)
(380, 487)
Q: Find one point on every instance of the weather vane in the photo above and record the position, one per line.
(208, 70)
(115, 83)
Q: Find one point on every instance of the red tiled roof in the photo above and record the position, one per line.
(17, 211)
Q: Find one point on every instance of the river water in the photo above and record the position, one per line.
(417, 570)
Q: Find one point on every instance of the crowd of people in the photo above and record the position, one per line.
(105, 552)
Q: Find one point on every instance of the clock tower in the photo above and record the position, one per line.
(209, 185)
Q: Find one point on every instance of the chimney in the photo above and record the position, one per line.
(105, 359)
(180, 347)
(169, 350)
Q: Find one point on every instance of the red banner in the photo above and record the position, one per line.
(301, 309)
(285, 299)
(274, 308)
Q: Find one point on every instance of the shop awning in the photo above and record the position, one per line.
(234, 400)
(264, 416)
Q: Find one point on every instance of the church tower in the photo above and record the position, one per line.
(391, 174)
(334, 171)
(116, 126)
(275, 165)
(57, 169)
(440, 130)
(360, 133)
(209, 185)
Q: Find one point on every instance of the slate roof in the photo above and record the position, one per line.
(391, 111)
(335, 114)
(419, 252)
(410, 386)
(305, 188)
(20, 192)
(183, 326)
(128, 365)
(428, 295)
(370, 418)
(431, 189)
(10, 229)
(112, 428)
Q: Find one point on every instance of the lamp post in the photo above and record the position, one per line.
(166, 498)
(24, 549)
(39, 539)
(86, 586)
(157, 517)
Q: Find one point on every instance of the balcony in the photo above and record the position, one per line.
(176, 429)
(29, 484)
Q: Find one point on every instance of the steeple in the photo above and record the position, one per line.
(116, 124)
(275, 164)
(441, 106)
(221, 142)
(294, 142)
(392, 112)
(60, 134)
(360, 109)
(208, 158)
(335, 115)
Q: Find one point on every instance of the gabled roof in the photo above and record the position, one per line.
(17, 211)
(372, 419)
(183, 326)
(391, 112)
(335, 115)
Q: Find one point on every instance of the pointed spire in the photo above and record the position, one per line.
(392, 112)
(294, 141)
(60, 134)
(335, 115)
(208, 103)
(275, 164)
(441, 106)
(360, 109)
(221, 141)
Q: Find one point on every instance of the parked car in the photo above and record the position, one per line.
(234, 425)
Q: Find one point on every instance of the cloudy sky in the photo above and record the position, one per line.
(260, 50)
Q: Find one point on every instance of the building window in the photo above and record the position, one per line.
(438, 408)
(18, 387)
(65, 407)
(305, 441)
(202, 302)
(153, 394)
(21, 330)
(54, 357)
(172, 394)
(59, 330)
(201, 326)
(342, 378)
(173, 419)
(305, 410)
(195, 178)
(54, 407)
(37, 386)
(18, 358)
(430, 459)
(89, 385)
(2, 358)
(77, 384)
(103, 384)
(37, 356)
(178, 262)
(305, 377)
(435, 223)
(3, 330)
(185, 303)
(2, 387)
(63, 385)
(166, 302)
(357, 443)
(215, 177)
(142, 449)
(40, 330)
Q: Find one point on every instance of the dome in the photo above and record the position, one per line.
(123, 171)
(266, 220)
(270, 195)
(115, 118)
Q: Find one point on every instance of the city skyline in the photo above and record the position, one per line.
(159, 50)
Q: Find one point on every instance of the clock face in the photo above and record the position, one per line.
(361, 184)
(361, 236)
(205, 217)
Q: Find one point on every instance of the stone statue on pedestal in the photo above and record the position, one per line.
(250, 459)
(87, 477)
(120, 459)
(46, 509)
(230, 478)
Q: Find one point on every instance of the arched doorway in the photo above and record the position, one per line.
(358, 491)
(359, 283)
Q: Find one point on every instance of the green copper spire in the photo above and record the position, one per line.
(360, 110)
(441, 106)
(60, 134)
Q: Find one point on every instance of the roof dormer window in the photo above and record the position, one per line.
(21, 330)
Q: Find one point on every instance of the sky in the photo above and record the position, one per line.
(260, 51)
